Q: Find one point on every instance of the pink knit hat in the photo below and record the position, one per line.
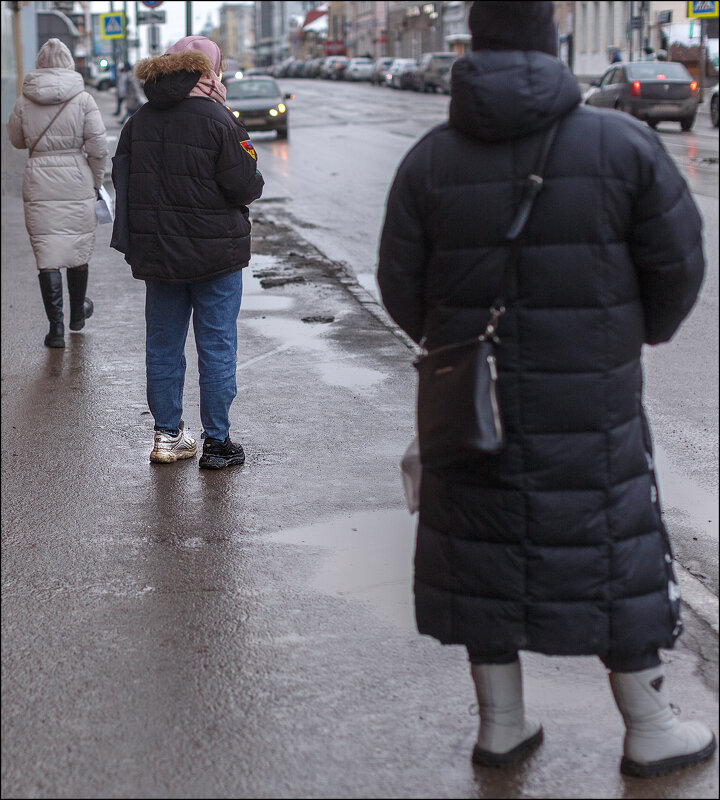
(201, 43)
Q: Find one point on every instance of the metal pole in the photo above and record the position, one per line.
(188, 18)
(125, 39)
(17, 36)
(631, 29)
(114, 45)
(703, 65)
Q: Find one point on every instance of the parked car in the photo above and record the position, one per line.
(653, 91)
(285, 67)
(714, 106)
(401, 73)
(358, 69)
(380, 70)
(333, 67)
(430, 69)
(445, 81)
(312, 67)
(259, 104)
(296, 69)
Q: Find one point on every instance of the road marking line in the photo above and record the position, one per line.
(252, 361)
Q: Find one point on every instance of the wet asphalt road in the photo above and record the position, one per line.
(248, 633)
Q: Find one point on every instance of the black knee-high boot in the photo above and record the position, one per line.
(81, 307)
(51, 289)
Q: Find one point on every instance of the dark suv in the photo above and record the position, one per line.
(430, 70)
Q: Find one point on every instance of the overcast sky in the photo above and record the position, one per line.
(175, 13)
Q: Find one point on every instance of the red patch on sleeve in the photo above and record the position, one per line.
(247, 146)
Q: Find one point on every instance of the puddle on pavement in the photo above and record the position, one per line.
(331, 363)
(680, 492)
(255, 298)
(367, 557)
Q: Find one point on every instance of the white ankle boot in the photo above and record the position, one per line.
(656, 742)
(505, 734)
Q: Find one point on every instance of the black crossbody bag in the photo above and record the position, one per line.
(459, 417)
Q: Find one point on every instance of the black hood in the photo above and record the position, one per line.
(166, 91)
(169, 78)
(506, 94)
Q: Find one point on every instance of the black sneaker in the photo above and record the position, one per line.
(217, 454)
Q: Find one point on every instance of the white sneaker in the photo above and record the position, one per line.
(168, 449)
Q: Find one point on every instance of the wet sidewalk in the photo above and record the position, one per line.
(171, 632)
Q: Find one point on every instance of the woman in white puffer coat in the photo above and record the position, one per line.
(60, 124)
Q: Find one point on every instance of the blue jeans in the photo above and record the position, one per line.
(215, 305)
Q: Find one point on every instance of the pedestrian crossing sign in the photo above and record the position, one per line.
(702, 9)
(112, 26)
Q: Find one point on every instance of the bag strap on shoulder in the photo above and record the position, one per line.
(47, 127)
(533, 186)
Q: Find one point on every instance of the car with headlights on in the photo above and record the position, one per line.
(653, 91)
(259, 103)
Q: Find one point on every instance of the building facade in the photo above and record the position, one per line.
(275, 24)
(367, 29)
(635, 30)
(236, 34)
(417, 28)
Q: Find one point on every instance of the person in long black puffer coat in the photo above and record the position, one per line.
(556, 545)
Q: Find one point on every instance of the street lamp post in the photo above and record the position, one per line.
(17, 36)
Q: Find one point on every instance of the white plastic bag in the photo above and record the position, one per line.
(412, 475)
(104, 207)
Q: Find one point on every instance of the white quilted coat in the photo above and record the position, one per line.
(66, 168)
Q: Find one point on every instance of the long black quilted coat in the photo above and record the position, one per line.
(183, 180)
(556, 545)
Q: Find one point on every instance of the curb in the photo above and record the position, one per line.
(346, 278)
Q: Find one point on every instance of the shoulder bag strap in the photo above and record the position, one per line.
(47, 127)
(533, 185)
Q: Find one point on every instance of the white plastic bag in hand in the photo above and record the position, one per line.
(412, 475)
(104, 206)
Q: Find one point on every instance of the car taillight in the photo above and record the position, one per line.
(635, 89)
(693, 86)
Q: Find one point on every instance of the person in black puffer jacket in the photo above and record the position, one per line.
(184, 173)
(556, 545)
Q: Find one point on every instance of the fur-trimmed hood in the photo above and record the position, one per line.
(168, 79)
(159, 66)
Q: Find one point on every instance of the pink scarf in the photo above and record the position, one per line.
(209, 86)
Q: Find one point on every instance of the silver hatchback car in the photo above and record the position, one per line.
(653, 91)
